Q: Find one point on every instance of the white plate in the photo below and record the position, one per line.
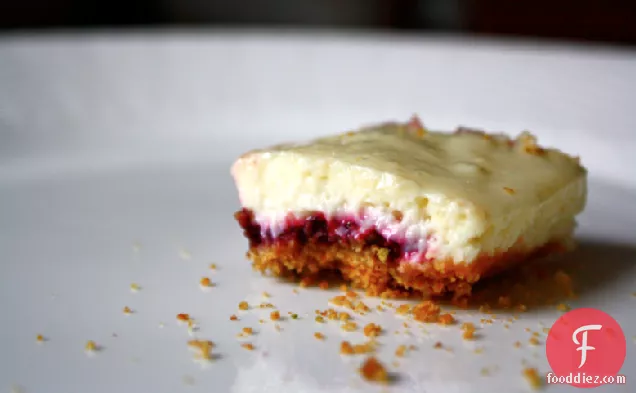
(108, 142)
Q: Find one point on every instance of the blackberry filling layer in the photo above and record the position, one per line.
(317, 229)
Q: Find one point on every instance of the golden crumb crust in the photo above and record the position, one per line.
(365, 268)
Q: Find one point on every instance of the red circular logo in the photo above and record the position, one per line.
(586, 348)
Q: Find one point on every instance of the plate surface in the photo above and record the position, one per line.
(114, 169)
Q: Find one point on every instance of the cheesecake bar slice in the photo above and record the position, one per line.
(396, 206)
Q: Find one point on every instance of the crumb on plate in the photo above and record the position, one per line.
(468, 329)
(446, 319)
(183, 317)
(372, 330)
(374, 371)
(91, 346)
(346, 348)
(426, 311)
(532, 376)
(203, 347)
(349, 326)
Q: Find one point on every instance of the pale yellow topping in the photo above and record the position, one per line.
(459, 165)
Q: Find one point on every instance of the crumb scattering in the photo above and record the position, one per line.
(374, 371)
(233, 317)
(533, 341)
(446, 319)
(248, 346)
(243, 305)
(183, 317)
(400, 351)
(203, 347)
(346, 348)
(468, 329)
(532, 376)
(90, 346)
(134, 287)
(320, 319)
(438, 345)
(39, 338)
(349, 326)
(319, 336)
(403, 309)
(127, 310)
(205, 282)
(372, 330)
(426, 311)
(248, 331)
(213, 266)
(274, 315)
(294, 316)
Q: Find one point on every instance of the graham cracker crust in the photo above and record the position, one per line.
(367, 267)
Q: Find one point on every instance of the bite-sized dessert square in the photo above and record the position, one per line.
(398, 206)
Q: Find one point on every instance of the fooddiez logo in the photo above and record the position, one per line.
(586, 348)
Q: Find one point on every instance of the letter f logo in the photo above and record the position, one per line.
(583, 344)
